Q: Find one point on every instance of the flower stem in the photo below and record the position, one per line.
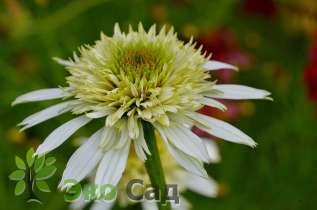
(154, 167)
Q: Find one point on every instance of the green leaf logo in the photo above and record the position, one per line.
(32, 174)
(45, 173)
(20, 163)
(20, 188)
(43, 186)
(17, 175)
(29, 157)
(50, 161)
(39, 163)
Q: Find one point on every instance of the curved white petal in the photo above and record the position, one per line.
(97, 114)
(84, 159)
(236, 92)
(78, 204)
(213, 103)
(99, 205)
(133, 127)
(213, 150)
(40, 95)
(139, 151)
(61, 134)
(149, 205)
(186, 141)
(189, 163)
(64, 62)
(112, 166)
(217, 65)
(221, 129)
(203, 186)
(124, 137)
(109, 138)
(183, 204)
(46, 114)
(140, 145)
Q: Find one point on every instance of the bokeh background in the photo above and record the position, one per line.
(273, 42)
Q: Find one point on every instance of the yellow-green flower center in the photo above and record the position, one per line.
(138, 59)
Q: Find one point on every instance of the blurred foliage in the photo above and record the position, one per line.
(279, 174)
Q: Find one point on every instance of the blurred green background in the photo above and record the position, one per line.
(270, 42)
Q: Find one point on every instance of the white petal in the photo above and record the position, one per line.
(213, 150)
(78, 204)
(124, 138)
(217, 65)
(61, 134)
(40, 95)
(213, 103)
(221, 129)
(133, 127)
(140, 145)
(183, 204)
(46, 114)
(139, 151)
(112, 166)
(186, 141)
(99, 205)
(64, 62)
(189, 163)
(203, 186)
(236, 92)
(95, 115)
(149, 205)
(84, 160)
(109, 138)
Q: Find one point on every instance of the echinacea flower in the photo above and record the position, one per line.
(132, 78)
(174, 174)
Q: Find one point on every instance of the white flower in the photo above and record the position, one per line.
(174, 175)
(130, 78)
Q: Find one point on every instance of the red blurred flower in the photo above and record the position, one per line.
(310, 77)
(224, 47)
(265, 8)
(232, 113)
(313, 50)
(310, 74)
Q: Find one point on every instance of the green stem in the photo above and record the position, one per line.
(154, 166)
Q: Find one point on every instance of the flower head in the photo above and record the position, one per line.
(136, 76)
(130, 78)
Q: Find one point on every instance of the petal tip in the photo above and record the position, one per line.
(269, 98)
(15, 102)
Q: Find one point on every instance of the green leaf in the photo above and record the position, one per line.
(50, 161)
(17, 175)
(43, 186)
(20, 163)
(19, 188)
(29, 157)
(39, 163)
(46, 173)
